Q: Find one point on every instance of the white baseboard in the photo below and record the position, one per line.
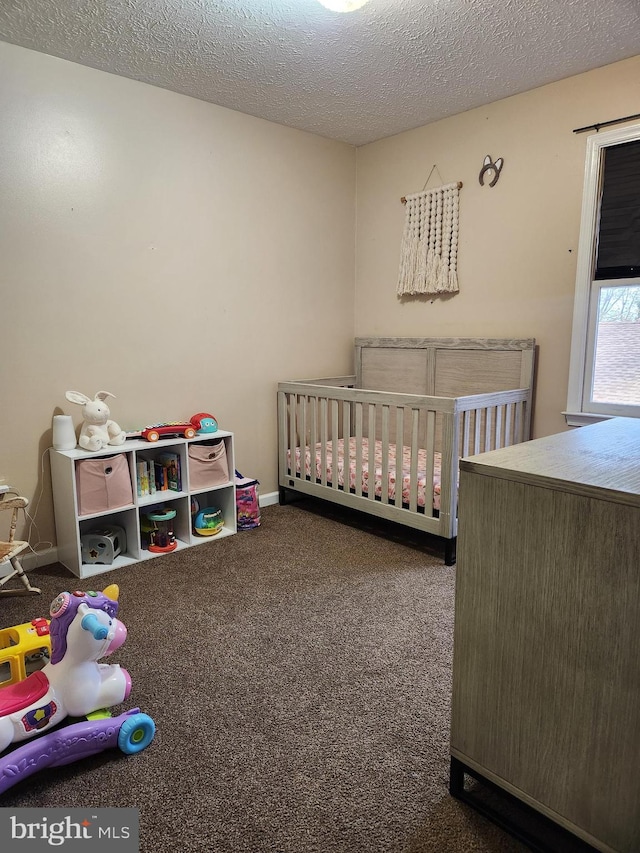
(30, 561)
(269, 499)
(42, 558)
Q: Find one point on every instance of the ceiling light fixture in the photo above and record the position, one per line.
(343, 5)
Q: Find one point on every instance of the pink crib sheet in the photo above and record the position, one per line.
(391, 486)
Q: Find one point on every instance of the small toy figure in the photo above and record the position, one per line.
(103, 544)
(204, 423)
(174, 428)
(159, 530)
(97, 431)
(208, 522)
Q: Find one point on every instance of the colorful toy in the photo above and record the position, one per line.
(97, 430)
(157, 528)
(204, 423)
(247, 502)
(103, 544)
(83, 629)
(22, 647)
(175, 428)
(131, 732)
(208, 522)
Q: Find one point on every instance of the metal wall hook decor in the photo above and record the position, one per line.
(489, 166)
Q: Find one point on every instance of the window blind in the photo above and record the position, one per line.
(618, 254)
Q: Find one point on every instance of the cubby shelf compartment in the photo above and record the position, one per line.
(221, 498)
(71, 526)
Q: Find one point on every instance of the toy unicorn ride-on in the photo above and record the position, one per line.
(83, 629)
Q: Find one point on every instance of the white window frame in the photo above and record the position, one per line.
(579, 409)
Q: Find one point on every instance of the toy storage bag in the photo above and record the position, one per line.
(247, 502)
(103, 484)
(208, 465)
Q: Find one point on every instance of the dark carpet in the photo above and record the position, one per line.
(299, 676)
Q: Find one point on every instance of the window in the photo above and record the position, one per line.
(604, 377)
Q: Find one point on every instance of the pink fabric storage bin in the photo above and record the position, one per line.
(208, 465)
(103, 484)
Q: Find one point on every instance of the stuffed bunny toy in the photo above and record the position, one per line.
(97, 431)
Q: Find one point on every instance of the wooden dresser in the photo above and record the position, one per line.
(546, 671)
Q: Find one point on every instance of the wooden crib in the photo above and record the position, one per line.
(387, 441)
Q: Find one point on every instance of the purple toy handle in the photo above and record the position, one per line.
(73, 742)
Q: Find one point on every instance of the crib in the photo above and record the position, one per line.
(387, 440)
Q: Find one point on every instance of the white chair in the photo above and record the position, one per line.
(11, 548)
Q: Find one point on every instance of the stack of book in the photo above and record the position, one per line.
(160, 473)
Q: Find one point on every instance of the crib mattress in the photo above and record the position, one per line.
(377, 468)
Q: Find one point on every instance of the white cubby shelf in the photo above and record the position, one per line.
(71, 526)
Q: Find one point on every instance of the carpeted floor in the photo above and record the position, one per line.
(299, 676)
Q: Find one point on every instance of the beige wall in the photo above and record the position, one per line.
(183, 256)
(518, 240)
(187, 257)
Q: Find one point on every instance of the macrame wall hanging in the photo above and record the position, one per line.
(429, 251)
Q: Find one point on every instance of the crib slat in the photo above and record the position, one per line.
(519, 425)
(358, 484)
(466, 417)
(300, 407)
(384, 495)
(508, 425)
(283, 463)
(476, 436)
(413, 471)
(302, 438)
(292, 434)
(346, 445)
(399, 454)
(313, 441)
(449, 470)
(499, 419)
(334, 445)
(488, 445)
(323, 441)
(371, 451)
(430, 462)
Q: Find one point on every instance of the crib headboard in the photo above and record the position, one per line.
(444, 367)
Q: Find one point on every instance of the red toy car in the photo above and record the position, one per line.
(157, 431)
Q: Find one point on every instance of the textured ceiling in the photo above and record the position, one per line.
(390, 66)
